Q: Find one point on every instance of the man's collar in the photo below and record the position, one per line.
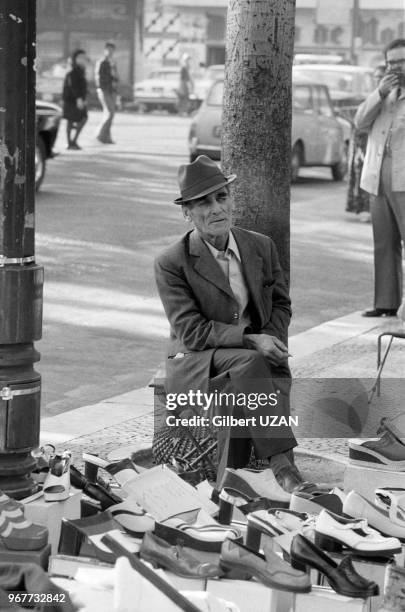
(232, 246)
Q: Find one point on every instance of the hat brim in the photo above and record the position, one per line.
(229, 179)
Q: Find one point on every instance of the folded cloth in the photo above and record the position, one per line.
(30, 578)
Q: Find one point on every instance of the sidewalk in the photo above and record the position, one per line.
(341, 348)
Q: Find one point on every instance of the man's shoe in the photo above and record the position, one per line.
(386, 453)
(176, 559)
(289, 478)
(269, 568)
(380, 312)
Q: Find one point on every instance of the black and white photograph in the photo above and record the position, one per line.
(202, 317)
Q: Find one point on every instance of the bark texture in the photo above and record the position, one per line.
(256, 142)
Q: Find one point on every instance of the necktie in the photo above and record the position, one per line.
(236, 280)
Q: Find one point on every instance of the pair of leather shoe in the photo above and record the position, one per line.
(342, 577)
(380, 312)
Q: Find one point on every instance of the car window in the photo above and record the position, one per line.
(216, 94)
(302, 98)
(349, 82)
(166, 76)
(322, 102)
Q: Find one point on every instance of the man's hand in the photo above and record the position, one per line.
(269, 346)
(389, 82)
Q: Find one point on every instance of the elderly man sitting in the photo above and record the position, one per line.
(226, 299)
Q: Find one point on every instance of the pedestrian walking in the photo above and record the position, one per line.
(382, 115)
(106, 77)
(74, 98)
(185, 86)
(358, 200)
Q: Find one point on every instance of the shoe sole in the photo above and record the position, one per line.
(264, 579)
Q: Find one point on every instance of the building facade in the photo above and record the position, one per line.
(355, 29)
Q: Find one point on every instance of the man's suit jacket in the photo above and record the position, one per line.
(202, 310)
(376, 115)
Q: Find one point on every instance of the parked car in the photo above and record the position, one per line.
(318, 138)
(158, 91)
(48, 117)
(348, 85)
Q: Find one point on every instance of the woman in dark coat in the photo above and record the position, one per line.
(74, 98)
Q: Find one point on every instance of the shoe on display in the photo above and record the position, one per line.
(277, 521)
(123, 470)
(93, 490)
(268, 568)
(176, 559)
(57, 482)
(42, 456)
(315, 502)
(17, 532)
(132, 517)
(342, 577)
(377, 517)
(386, 453)
(245, 503)
(255, 483)
(334, 533)
(392, 500)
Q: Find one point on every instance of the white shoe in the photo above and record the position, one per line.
(392, 501)
(378, 518)
(263, 482)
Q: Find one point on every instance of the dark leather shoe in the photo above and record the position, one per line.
(93, 490)
(380, 312)
(269, 568)
(343, 578)
(175, 559)
(289, 478)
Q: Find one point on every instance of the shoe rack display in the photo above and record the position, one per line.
(282, 547)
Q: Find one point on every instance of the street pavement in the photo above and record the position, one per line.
(341, 349)
(101, 217)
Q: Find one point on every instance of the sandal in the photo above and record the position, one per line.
(57, 483)
(392, 500)
(132, 517)
(123, 470)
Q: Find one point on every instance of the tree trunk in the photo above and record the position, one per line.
(257, 116)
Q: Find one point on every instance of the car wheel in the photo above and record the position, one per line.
(296, 161)
(40, 162)
(339, 170)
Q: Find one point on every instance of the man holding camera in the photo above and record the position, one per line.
(382, 114)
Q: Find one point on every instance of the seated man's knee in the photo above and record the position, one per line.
(253, 362)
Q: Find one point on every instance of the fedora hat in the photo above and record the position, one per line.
(200, 178)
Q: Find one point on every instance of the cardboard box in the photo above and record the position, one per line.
(50, 514)
(186, 584)
(365, 480)
(248, 595)
(322, 599)
(40, 557)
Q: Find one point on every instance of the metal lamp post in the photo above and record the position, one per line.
(21, 279)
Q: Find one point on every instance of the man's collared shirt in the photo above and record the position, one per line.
(231, 265)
